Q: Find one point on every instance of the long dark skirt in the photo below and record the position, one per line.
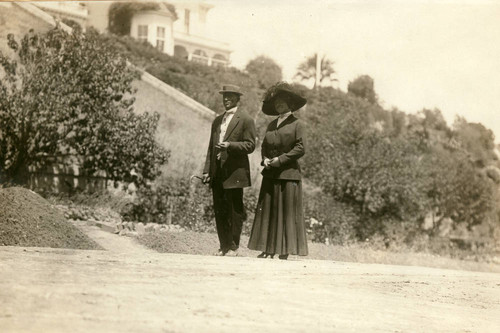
(279, 227)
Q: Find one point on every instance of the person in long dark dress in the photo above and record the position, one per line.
(279, 226)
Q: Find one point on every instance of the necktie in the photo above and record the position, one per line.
(224, 124)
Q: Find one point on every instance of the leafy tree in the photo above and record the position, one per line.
(476, 139)
(455, 187)
(265, 70)
(397, 121)
(307, 70)
(380, 178)
(363, 87)
(433, 119)
(72, 24)
(120, 14)
(70, 94)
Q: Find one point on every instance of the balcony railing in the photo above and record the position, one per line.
(200, 59)
(202, 41)
(219, 63)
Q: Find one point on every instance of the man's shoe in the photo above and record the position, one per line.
(232, 253)
(219, 253)
(283, 256)
(265, 255)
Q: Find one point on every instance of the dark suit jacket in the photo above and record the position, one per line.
(234, 162)
(286, 142)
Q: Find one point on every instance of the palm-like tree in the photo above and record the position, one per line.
(307, 70)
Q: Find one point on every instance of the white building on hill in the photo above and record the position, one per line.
(155, 27)
(184, 36)
(190, 39)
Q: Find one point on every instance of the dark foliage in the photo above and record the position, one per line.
(64, 95)
(265, 71)
(391, 169)
(179, 201)
(363, 87)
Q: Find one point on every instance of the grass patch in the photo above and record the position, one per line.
(27, 219)
(207, 244)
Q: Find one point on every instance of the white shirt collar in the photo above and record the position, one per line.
(285, 115)
(233, 110)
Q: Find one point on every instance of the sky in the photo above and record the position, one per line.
(421, 54)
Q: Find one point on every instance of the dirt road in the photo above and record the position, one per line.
(135, 290)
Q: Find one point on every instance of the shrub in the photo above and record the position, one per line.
(175, 201)
(456, 189)
(363, 87)
(328, 220)
(66, 95)
(250, 199)
(265, 71)
(188, 204)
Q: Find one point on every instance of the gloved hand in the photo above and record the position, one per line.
(206, 178)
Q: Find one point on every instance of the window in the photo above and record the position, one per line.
(160, 38)
(142, 33)
(187, 13)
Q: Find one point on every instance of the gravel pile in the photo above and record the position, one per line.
(27, 219)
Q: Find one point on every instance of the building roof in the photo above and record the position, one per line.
(168, 8)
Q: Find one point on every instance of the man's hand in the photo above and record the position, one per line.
(266, 163)
(275, 162)
(222, 145)
(206, 178)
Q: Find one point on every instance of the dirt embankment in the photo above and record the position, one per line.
(27, 219)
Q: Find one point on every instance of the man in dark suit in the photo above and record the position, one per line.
(227, 168)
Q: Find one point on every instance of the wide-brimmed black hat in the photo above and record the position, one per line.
(230, 88)
(294, 100)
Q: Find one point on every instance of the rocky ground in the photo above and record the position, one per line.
(128, 288)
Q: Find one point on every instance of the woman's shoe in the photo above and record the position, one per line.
(283, 256)
(219, 253)
(265, 255)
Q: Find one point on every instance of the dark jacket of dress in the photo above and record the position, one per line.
(234, 162)
(287, 142)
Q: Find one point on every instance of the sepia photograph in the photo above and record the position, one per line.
(250, 166)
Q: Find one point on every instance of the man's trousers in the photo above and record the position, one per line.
(229, 214)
